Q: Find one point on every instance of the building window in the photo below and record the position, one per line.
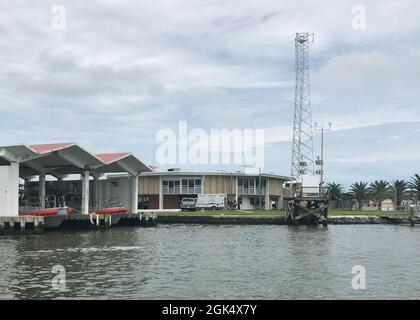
(251, 201)
(247, 186)
(171, 186)
(263, 183)
(251, 186)
(197, 186)
(165, 188)
(191, 186)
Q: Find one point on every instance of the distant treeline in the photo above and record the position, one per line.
(377, 191)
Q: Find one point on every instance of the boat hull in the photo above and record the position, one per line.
(53, 222)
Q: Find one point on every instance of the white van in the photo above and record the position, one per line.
(211, 201)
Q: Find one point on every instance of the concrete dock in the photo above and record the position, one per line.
(89, 221)
(21, 224)
(39, 224)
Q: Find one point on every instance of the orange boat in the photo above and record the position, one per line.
(47, 212)
(111, 210)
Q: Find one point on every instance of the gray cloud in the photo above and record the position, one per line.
(123, 70)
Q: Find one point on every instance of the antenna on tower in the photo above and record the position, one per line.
(302, 150)
(307, 200)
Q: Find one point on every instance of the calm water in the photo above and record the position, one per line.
(215, 262)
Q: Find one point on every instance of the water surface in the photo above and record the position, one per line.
(214, 262)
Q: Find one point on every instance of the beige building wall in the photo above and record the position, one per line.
(148, 185)
(220, 184)
(275, 187)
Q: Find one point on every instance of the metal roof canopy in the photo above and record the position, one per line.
(59, 160)
(62, 159)
(121, 162)
(17, 153)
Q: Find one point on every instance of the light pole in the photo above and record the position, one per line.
(395, 201)
(321, 161)
(260, 189)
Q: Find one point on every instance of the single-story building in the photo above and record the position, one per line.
(164, 190)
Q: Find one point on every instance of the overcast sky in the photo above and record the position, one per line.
(122, 70)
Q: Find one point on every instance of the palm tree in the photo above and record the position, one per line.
(334, 191)
(399, 190)
(414, 186)
(360, 192)
(379, 191)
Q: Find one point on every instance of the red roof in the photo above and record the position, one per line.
(111, 157)
(43, 148)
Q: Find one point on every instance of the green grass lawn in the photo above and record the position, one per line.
(225, 213)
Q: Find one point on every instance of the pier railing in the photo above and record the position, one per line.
(305, 192)
(105, 203)
(50, 201)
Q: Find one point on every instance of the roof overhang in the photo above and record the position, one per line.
(61, 159)
(17, 153)
(121, 162)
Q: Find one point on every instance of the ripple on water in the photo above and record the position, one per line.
(214, 262)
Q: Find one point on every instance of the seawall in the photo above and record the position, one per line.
(271, 220)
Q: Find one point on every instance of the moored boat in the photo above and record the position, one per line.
(112, 210)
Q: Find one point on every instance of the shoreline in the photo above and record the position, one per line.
(272, 220)
(31, 225)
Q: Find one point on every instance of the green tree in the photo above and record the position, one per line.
(360, 192)
(379, 191)
(399, 191)
(414, 186)
(334, 191)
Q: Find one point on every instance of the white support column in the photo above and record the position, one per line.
(161, 193)
(85, 192)
(9, 190)
(41, 186)
(267, 195)
(134, 193)
(60, 190)
(236, 191)
(14, 191)
(97, 192)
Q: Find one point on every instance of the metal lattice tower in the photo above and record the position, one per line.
(303, 154)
